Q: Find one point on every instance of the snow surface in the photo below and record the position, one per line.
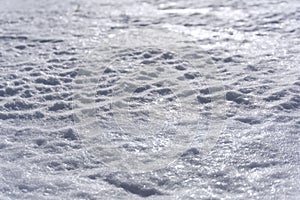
(153, 99)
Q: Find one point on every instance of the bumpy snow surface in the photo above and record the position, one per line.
(156, 99)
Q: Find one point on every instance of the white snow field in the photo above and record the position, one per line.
(149, 99)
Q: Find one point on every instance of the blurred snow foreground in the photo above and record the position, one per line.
(157, 99)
